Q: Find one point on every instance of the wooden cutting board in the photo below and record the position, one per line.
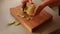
(33, 23)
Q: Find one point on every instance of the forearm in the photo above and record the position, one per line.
(44, 4)
(50, 2)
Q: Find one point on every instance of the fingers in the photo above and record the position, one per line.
(24, 1)
(37, 10)
(31, 1)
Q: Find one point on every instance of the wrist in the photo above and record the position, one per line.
(44, 3)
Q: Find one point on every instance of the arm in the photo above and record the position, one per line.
(44, 4)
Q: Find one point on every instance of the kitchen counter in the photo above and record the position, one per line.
(5, 18)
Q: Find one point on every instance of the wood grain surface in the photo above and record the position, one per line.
(33, 23)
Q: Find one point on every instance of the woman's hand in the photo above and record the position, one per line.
(25, 1)
(44, 4)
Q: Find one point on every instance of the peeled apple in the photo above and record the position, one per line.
(29, 9)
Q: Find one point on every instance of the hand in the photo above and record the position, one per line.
(44, 4)
(25, 1)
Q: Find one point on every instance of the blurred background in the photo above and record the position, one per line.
(52, 27)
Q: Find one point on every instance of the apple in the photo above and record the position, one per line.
(29, 9)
